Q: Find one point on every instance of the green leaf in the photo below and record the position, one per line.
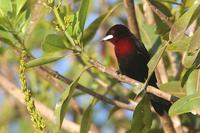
(4, 25)
(185, 104)
(174, 88)
(43, 60)
(180, 45)
(142, 117)
(83, 13)
(186, 75)
(148, 36)
(7, 37)
(87, 119)
(76, 26)
(189, 59)
(61, 106)
(161, 27)
(53, 43)
(193, 82)
(22, 21)
(193, 50)
(5, 6)
(19, 5)
(195, 42)
(182, 23)
(188, 3)
(93, 27)
(155, 59)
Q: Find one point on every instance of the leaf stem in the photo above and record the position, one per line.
(60, 21)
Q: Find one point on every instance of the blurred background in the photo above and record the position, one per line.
(106, 118)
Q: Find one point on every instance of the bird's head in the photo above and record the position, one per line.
(116, 33)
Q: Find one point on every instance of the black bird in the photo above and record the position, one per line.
(133, 58)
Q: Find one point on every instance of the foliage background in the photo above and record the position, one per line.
(33, 24)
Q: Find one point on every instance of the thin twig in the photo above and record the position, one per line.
(162, 16)
(132, 21)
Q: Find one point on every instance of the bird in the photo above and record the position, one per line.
(132, 58)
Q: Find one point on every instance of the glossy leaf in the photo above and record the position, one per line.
(93, 27)
(185, 104)
(43, 60)
(83, 12)
(182, 23)
(174, 88)
(62, 105)
(142, 117)
(53, 43)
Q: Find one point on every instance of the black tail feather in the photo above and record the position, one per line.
(160, 105)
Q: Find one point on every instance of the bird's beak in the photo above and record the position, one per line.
(108, 37)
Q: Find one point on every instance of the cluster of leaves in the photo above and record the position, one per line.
(69, 34)
(13, 21)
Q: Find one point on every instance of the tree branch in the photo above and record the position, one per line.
(126, 79)
(48, 71)
(132, 21)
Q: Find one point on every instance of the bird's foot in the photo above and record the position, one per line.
(118, 72)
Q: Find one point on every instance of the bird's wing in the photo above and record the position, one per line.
(141, 49)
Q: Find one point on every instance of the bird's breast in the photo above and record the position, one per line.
(133, 66)
(124, 47)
